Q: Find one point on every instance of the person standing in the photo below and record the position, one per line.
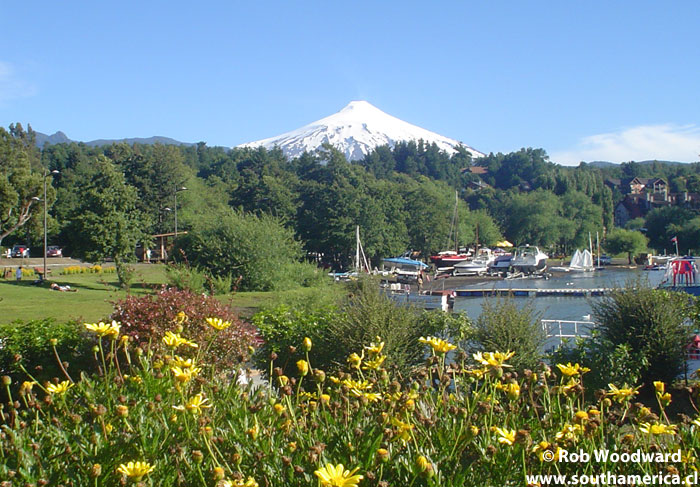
(19, 273)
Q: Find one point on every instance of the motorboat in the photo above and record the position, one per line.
(501, 264)
(528, 260)
(406, 270)
(449, 258)
(479, 265)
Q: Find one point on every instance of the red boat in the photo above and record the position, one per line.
(448, 258)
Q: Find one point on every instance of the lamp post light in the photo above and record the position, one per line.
(182, 188)
(46, 174)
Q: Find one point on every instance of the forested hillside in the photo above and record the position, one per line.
(402, 198)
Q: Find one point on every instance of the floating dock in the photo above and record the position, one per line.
(422, 301)
(533, 293)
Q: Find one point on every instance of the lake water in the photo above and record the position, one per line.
(560, 307)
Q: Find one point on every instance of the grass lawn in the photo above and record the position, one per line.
(92, 301)
(96, 292)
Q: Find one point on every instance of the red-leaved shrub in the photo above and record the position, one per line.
(147, 318)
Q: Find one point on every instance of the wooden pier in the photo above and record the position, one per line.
(533, 293)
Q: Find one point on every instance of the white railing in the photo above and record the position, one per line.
(558, 330)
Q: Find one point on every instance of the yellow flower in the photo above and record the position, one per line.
(544, 446)
(354, 384)
(657, 429)
(404, 430)
(303, 367)
(580, 417)
(425, 466)
(355, 360)
(136, 470)
(375, 363)
(218, 323)
(376, 348)
(493, 359)
(174, 340)
(511, 389)
(180, 318)
(569, 432)
(250, 482)
(572, 370)
(195, 404)
(505, 436)
(306, 344)
(283, 380)
(569, 387)
(26, 387)
(437, 344)
(665, 399)
(104, 329)
(337, 476)
(660, 387)
(279, 408)
(183, 363)
(186, 374)
(59, 388)
(623, 394)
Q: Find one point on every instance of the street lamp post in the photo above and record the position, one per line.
(46, 174)
(182, 188)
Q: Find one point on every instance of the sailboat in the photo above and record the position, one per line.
(448, 258)
(360, 264)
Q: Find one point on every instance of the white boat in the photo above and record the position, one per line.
(479, 265)
(528, 260)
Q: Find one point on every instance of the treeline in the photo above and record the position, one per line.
(402, 198)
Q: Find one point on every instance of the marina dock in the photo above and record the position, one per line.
(533, 293)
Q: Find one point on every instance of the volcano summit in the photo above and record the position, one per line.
(355, 131)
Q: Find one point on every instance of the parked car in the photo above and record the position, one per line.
(54, 251)
(605, 260)
(20, 251)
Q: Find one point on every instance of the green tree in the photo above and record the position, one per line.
(620, 240)
(106, 222)
(258, 249)
(21, 183)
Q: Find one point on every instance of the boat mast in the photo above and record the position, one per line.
(455, 222)
(361, 263)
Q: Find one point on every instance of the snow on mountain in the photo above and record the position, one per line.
(356, 130)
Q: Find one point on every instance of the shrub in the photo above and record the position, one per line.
(259, 249)
(147, 318)
(186, 278)
(30, 341)
(652, 323)
(358, 317)
(503, 326)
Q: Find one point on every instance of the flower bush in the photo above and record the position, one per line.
(149, 420)
(146, 319)
(79, 269)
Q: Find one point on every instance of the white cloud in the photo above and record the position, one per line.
(647, 142)
(11, 85)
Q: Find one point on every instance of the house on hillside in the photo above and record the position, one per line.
(475, 182)
(636, 205)
(637, 185)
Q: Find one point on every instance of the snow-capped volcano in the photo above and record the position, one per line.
(356, 130)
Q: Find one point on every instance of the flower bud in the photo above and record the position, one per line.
(303, 367)
(306, 344)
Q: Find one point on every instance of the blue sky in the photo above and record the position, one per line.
(583, 80)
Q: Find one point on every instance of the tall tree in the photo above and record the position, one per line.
(106, 218)
(21, 183)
